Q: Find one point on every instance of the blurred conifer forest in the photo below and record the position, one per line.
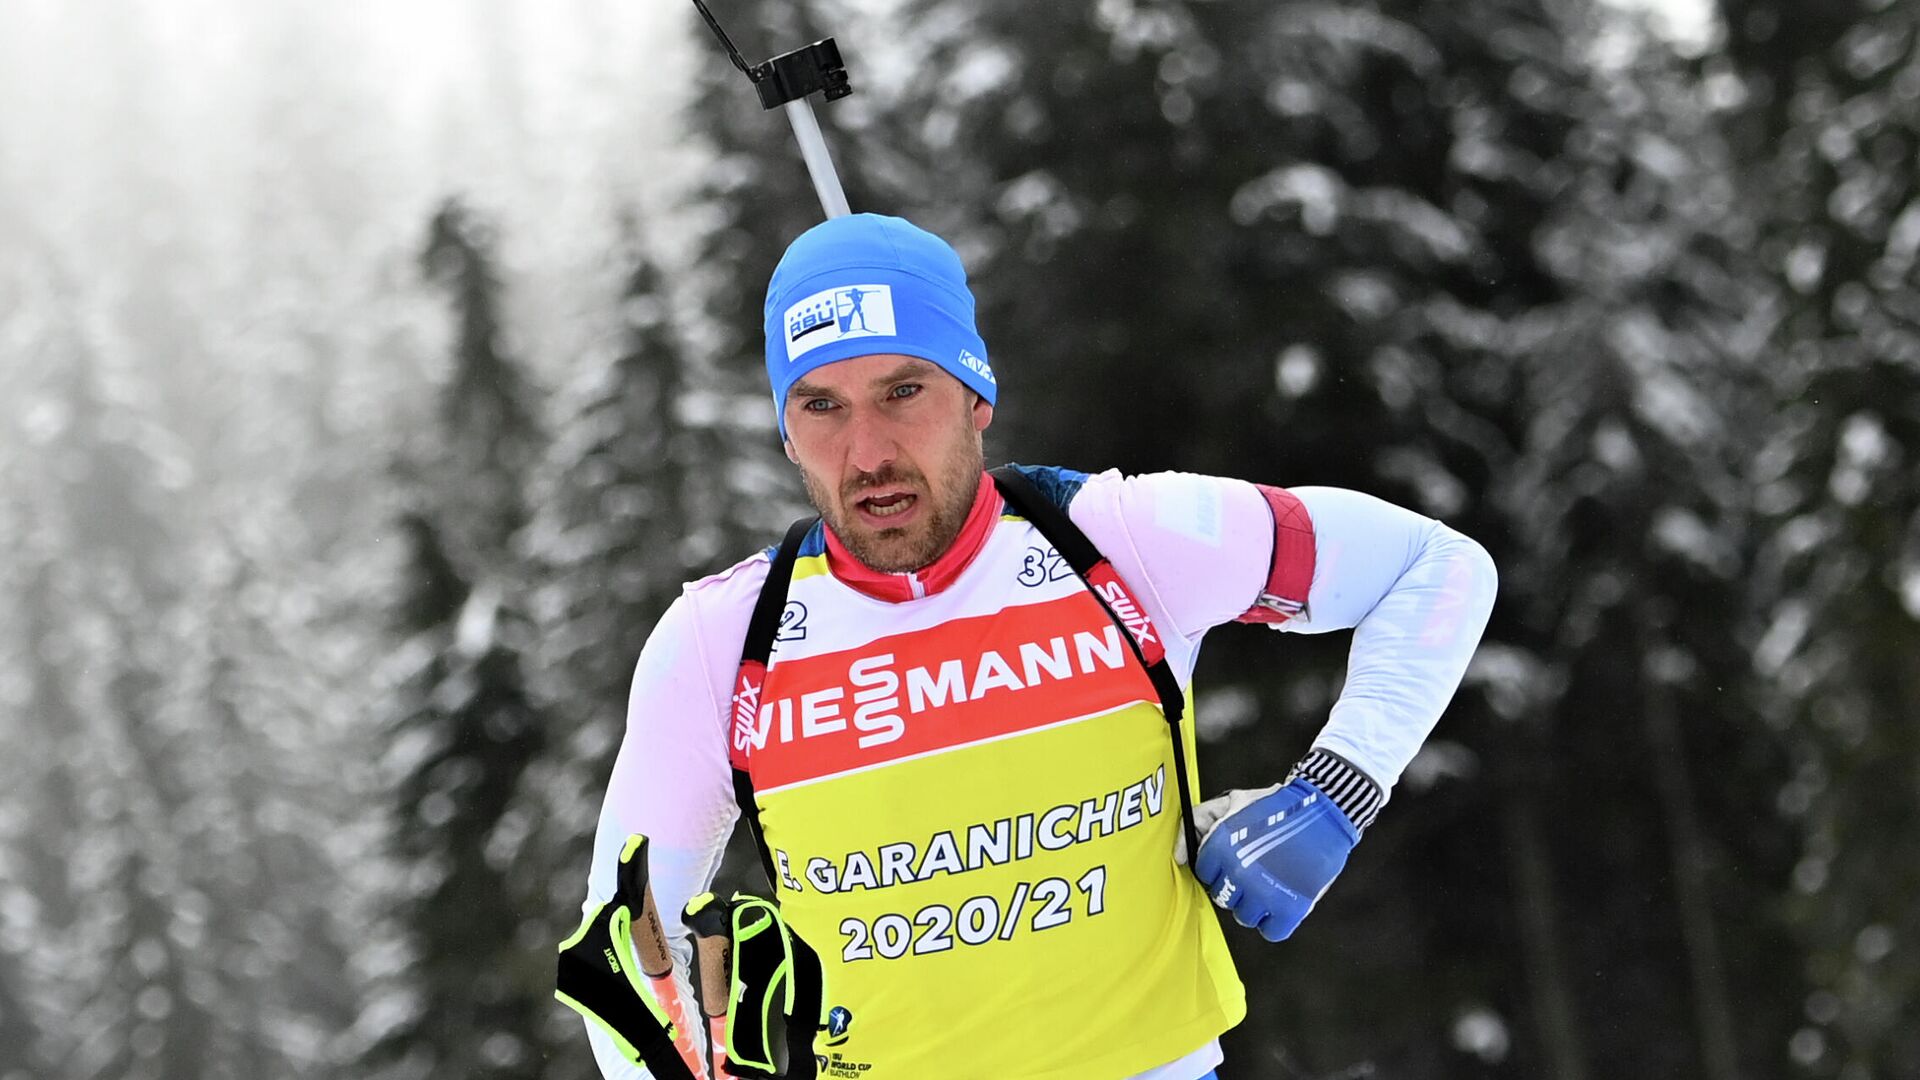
(343, 473)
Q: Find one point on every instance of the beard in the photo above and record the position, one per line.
(903, 549)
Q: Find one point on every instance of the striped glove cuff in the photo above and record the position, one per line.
(1341, 781)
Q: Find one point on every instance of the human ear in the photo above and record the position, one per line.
(982, 413)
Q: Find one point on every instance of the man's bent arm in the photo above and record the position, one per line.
(1417, 595)
(670, 781)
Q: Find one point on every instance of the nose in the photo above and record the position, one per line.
(870, 442)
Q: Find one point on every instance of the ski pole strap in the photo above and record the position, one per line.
(596, 977)
(762, 626)
(770, 984)
(1139, 632)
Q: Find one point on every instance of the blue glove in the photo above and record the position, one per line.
(1271, 854)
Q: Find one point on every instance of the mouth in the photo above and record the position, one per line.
(886, 508)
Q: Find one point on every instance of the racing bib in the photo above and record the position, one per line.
(970, 804)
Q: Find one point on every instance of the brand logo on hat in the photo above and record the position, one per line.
(977, 366)
(832, 315)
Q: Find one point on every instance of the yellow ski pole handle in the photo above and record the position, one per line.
(656, 963)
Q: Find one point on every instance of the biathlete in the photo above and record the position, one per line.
(956, 723)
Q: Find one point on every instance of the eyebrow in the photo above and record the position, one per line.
(914, 368)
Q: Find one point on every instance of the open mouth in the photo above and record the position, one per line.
(890, 504)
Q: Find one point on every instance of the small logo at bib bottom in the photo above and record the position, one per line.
(838, 1066)
(839, 1019)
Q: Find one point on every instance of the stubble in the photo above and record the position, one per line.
(903, 549)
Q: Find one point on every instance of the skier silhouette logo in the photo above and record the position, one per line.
(851, 310)
(860, 310)
(839, 1019)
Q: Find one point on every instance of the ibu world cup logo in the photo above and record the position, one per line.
(848, 311)
(839, 1019)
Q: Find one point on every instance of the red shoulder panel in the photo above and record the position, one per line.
(1290, 575)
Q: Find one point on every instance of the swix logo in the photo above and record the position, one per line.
(746, 705)
(1107, 584)
(1131, 617)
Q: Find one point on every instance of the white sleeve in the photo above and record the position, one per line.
(1417, 595)
(1197, 546)
(671, 782)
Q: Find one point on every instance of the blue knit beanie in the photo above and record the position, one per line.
(866, 284)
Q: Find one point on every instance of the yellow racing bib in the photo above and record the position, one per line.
(971, 808)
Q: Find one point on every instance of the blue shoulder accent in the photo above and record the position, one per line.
(816, 541)
(814, 544)
(1058, 484)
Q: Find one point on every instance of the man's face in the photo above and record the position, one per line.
(889, 447)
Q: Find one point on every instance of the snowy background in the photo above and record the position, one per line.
(372, 376)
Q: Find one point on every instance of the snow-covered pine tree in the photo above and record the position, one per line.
(123, 991)
(27, 862)
(19, 1036)
(37, 824)
(468, 1000)
(1634, 406)
(277, 831)
(1824, 106)
(626, 512)
(620, 497)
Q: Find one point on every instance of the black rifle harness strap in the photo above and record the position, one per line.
(1056, 528)
(761, 628)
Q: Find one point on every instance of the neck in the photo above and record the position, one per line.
(936, 575)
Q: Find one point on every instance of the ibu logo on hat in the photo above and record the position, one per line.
(830, 315)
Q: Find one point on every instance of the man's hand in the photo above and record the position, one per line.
(765, 981)
(599, 978)
(1269, 855)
